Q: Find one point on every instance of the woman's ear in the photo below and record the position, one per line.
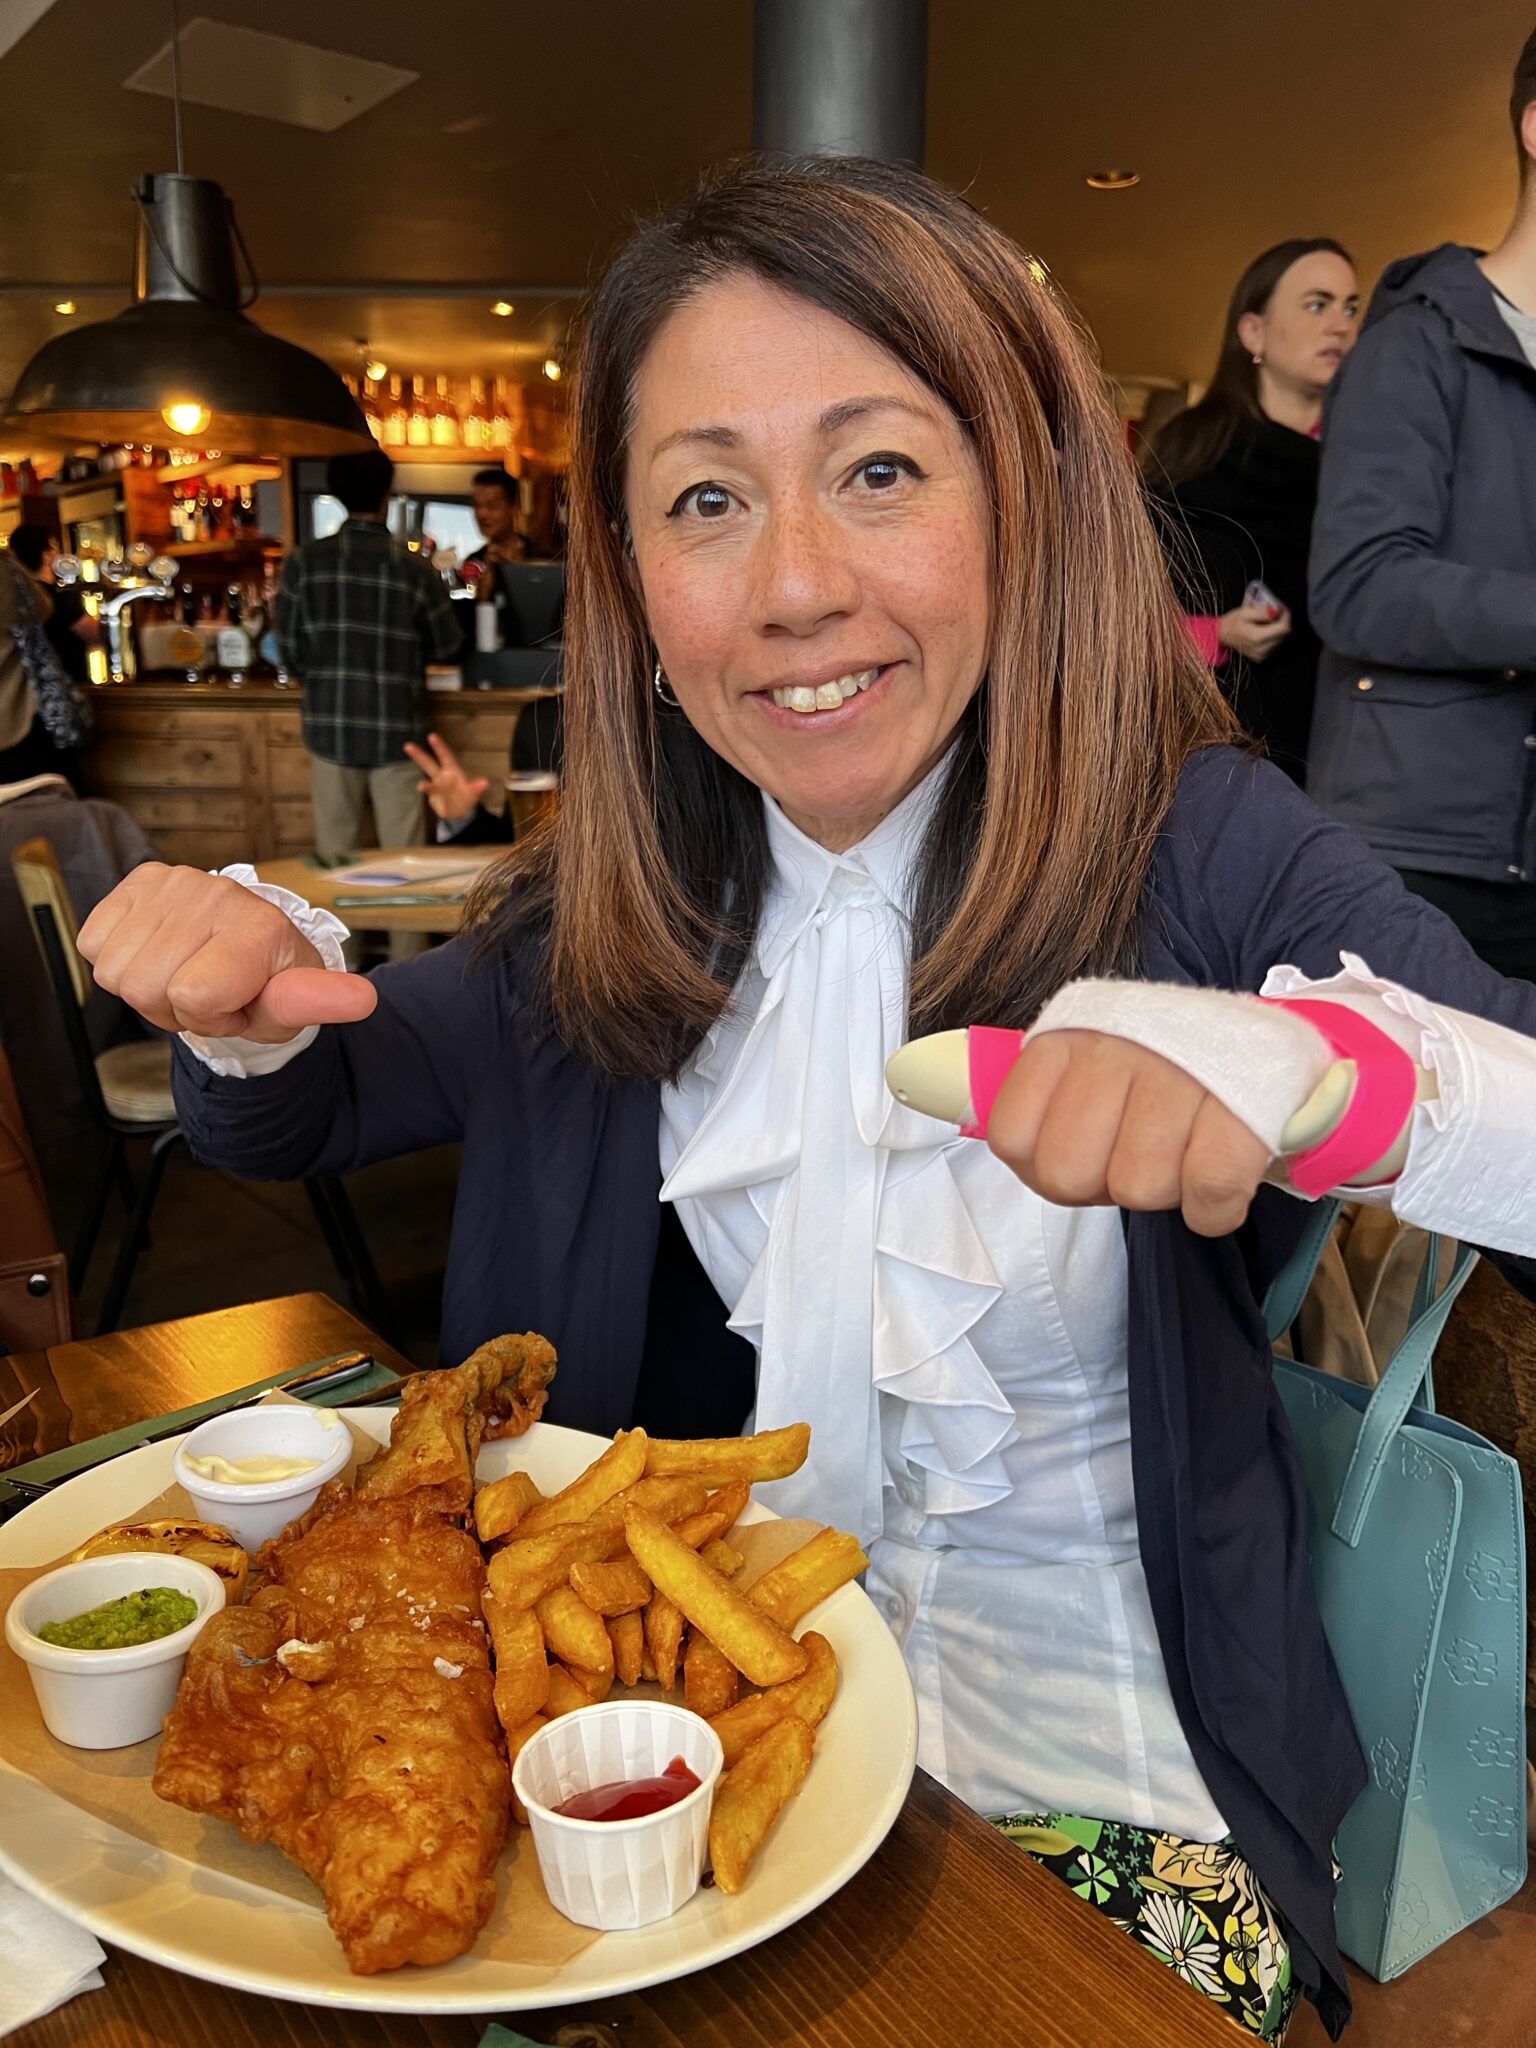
(1250, 332)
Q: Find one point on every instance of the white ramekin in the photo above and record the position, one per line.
(106, 1699)
(286, 1429)
(613, 1874)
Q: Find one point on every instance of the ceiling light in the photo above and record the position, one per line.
(1112, 180)
(186, 331)
(65, 306)
(375, 371)
(186, 416)
(552, 369)
(503, 309)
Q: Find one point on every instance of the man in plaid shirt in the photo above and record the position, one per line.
(358, 618)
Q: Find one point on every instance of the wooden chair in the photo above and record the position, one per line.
(127, 1091)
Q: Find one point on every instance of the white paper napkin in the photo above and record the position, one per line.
(44, 1958)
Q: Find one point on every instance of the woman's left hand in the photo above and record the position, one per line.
(1087, 1120)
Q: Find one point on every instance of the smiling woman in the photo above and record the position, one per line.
(831, 421)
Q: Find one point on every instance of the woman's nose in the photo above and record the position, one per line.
(804, 572)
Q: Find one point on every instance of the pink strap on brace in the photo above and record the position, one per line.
(1381, 1102)
(991, 1053)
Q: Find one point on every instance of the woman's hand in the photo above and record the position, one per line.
(1252, 631)
(451, 793)
(1087, 1120)
(194, 952)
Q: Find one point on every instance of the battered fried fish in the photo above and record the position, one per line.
(346, 1713)
(499, 1390)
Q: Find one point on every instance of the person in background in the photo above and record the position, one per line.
(71, 630)
(456, 799)
(358, 619)
(1424, 577)
(26, 746)
(493, 499)
(1234, 480)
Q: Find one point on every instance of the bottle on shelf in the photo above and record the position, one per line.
(487, 611)
(185, 646)
(234, 644)
(371, 413)
(397, 418)
(445, 417)
(418, 428)
(501, 418)
(475, 426)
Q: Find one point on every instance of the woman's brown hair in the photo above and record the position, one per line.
(644, 895)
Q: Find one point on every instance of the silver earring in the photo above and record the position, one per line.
(660, 686)
(1257, 361)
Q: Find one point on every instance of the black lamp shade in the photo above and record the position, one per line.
(184, 339)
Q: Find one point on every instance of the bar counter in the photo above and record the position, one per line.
(217, 775)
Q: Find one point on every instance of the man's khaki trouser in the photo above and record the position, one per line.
(340, 797)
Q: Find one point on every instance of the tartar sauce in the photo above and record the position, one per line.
(259, 1471)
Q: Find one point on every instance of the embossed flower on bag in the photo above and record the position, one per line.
(1490, 1577)
(1389, 1767)
(1469, 1663)
(1492, 1817)
(1489, 1747)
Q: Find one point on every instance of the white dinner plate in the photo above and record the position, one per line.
(170, 1911)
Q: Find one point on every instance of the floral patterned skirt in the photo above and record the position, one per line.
(1196, 1906)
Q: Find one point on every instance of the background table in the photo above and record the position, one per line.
(321, 886)
(948, 1935)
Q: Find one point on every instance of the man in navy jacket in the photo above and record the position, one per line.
(1423, 577)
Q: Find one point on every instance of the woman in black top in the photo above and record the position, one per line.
(1235, 485)
(71, 630)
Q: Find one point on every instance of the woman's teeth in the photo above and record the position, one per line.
(828, 697)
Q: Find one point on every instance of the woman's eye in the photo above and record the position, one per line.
(709, 501)
(884, 472)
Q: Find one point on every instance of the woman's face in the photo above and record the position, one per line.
(1310, 323)
(812, 541)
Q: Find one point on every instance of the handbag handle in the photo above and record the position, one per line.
(1288, 1289)
(1397, 1392)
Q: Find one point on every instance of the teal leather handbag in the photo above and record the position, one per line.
(1418, 1560)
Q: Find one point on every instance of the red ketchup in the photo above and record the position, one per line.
(629, 1798)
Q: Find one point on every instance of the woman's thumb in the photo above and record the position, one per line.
(310, 995)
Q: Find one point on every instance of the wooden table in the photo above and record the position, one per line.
(947, 1936)
(321, 886)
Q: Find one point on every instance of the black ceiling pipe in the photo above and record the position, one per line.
(840, 77)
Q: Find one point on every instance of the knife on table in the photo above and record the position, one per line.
(30, 1481)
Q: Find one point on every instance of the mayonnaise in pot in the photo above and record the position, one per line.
(259, 1471)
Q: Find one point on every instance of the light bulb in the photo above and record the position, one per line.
(185, 415)
(552, 369)
(375, 371)
(65, 306)
(503, 309)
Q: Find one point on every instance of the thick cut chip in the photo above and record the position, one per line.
(574, 1633)
(710, 1680)
(516, 1739)
(751, 1797)
(522, 1668)
(807, 1698)
(663, 1639)
(567, 1695)
(501, 1505)
(611, 1589)
(726, 1561)
(528, 1567)
(772, 1455)
(722, 1511)
(621, 1466)
(808, 1575)
(627, 1634)
(754, 1642)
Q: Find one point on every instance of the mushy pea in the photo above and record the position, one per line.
(141, 1617)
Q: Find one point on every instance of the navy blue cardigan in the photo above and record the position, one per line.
(557, 1224)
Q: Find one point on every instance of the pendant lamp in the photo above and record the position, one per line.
(182, 363)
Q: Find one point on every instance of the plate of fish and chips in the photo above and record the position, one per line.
(327, 1815)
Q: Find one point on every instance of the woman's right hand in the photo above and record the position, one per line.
(451, 793)
(1251, 631)
(193, 952)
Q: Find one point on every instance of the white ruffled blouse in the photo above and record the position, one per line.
(957, 1344)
